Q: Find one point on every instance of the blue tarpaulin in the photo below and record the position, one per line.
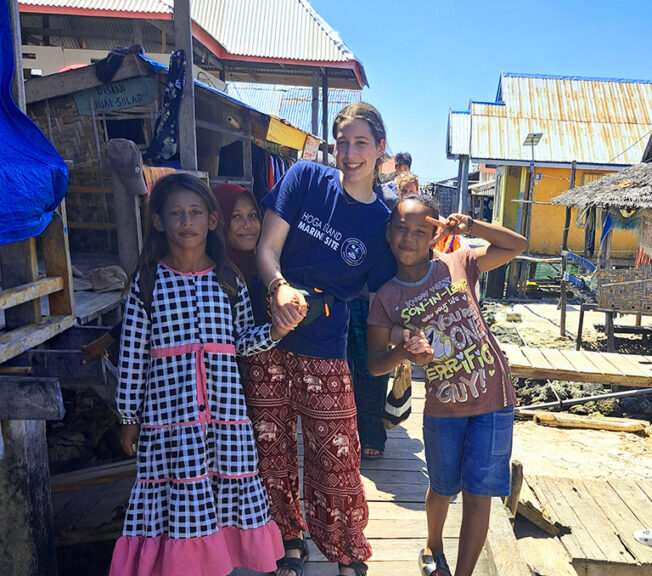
(33, 177)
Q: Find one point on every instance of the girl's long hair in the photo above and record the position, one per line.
(367, 113)
(155, 244)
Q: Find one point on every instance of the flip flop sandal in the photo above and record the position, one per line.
(370, 456)
(294, 564)
(644, 536)
(360, 568)
(433, 565)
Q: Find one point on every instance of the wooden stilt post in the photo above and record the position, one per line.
(564, 260)
(324, 116)
(315, 103)
(187, 130)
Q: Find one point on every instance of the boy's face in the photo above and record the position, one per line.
(409, 235)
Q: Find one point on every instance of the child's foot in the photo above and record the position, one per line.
(369, 453)
(430, 565)
(296, 554)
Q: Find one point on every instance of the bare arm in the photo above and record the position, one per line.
(381, 360)
(504, 244)
(285, 314)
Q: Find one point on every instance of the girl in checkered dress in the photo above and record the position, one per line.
(198, 506)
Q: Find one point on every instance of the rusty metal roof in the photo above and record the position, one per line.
(590, 120)
(287, 30)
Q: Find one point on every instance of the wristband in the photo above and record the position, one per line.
(274, 285)
(130, 421)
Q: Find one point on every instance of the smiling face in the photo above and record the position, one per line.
(356, 151)
(244, 228)
(186, 219)
(409, 235)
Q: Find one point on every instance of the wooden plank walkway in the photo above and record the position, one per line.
(89, 506)
(601, 517)
(579, 366)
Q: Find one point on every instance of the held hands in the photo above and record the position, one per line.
(417, 347)
(129, 438)
(288, 308)
(455, 224)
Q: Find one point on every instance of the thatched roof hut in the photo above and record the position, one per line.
(629, 189)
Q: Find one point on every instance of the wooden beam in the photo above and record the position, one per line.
(55, 85)
(18, 84)
(19, 265)
(502, 545)
(324, 116)
(315, 103)
(26, 530)
(21, 339)
(563, 420)
(516, 481)
(56, 255)
(30, 398)
(187, 131)
(95, 476)
(31, 291)
(128, 224)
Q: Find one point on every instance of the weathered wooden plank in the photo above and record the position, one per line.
(583, 363)
(23, 338)
(29, 398)
(56, 255)
(626, 365)
(558, 359)
(601, 362)
(565, 420)
(536, 359)
(95, 476)
(91, 305)
(622, 514)
(557, 508)
(395, 492)
(502, 545)
(56, 85)
(596, 522)
(634, 496)
(514, 355)
(30, 291)
(19, 265)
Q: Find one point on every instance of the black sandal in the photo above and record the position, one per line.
(294, 564)
(360, 568)
(429, 565)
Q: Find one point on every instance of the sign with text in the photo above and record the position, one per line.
(116, 95)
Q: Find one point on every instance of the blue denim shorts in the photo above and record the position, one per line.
(469, 453)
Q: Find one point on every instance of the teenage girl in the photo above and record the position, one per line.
(323, 229)
(468, 417)
(198, 505)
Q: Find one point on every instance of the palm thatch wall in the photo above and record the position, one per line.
(629, 189)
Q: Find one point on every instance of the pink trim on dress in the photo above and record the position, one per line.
(211, 421)
(188, 480)
(199, 273)
(218, 554)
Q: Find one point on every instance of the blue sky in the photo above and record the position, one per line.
(423, 57)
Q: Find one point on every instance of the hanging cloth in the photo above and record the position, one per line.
(162, 149)
(33, 177)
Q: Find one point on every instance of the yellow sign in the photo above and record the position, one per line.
(285, 135)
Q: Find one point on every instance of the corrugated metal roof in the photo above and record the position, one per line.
(292, 103)
(152, 6)
(282, 29)
(591, 121)
(459, 133)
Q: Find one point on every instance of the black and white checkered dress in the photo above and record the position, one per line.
(197, 461)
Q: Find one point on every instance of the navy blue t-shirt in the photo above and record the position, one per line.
(335, 244)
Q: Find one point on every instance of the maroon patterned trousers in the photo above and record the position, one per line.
(279, 386)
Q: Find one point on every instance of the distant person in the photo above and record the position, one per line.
(403, 163)
(468, 416)
(407, 183)
(198, 503)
